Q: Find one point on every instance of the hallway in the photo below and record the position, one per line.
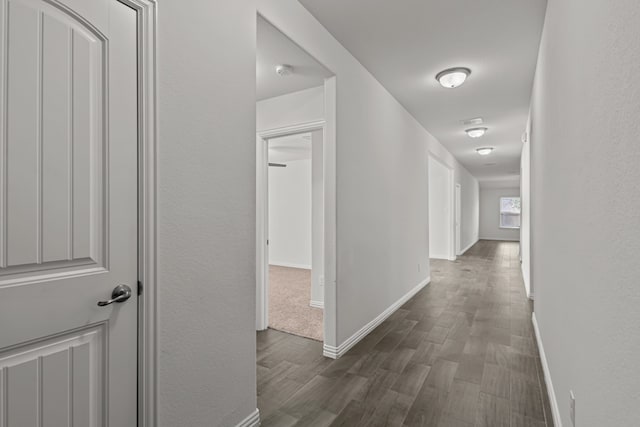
(460, 353)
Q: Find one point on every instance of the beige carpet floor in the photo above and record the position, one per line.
(289, 296)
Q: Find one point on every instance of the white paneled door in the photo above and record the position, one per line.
(68, 213)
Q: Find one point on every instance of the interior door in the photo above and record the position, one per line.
(68, 213)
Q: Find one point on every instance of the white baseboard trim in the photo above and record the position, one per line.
(253, 420)
(291, 265)
(500, 239)
(339, 351)
(468, 247)
(557, 421)
(316, 304)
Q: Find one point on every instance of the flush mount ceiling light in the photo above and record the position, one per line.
(483, 151)
(453, 77)
(476, 132)
(284, 70)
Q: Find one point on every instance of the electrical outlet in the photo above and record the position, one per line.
(572, 408)
(321, 280)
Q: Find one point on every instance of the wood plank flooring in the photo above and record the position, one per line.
(460, 353)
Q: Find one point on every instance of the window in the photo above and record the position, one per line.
(509, 212)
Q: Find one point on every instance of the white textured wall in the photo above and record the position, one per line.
(585, 207)
(382, 198)
(290, 214)
(440, 210)
(490, 214)
(206, 213)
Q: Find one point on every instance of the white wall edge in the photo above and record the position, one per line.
(525, 279)
(290, 265)
(527, 285)
(316, 304)
(547, 375)
(339, 351)
(253, 420)
(462, 252)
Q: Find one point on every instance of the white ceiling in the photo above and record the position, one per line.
(290, 148)
(404, 44)
(274, 48)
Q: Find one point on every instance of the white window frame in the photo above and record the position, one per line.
(500, 213)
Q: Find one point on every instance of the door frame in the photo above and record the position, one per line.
(458, 210)
(146, 11)
(262, 212)
(328, 126)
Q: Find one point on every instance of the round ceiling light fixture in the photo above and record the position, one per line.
(484, 151)
(453, 77)
(284, 70)
(476, 132)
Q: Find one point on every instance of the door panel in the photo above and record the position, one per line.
(55, 144)
(56, 380)
(68, 212)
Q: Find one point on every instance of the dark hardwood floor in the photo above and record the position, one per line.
(461, 353)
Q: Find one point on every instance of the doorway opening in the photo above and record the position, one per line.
(443, 213)
(295, 190)
(295, 228)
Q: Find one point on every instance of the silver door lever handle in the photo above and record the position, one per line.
(120, 293)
